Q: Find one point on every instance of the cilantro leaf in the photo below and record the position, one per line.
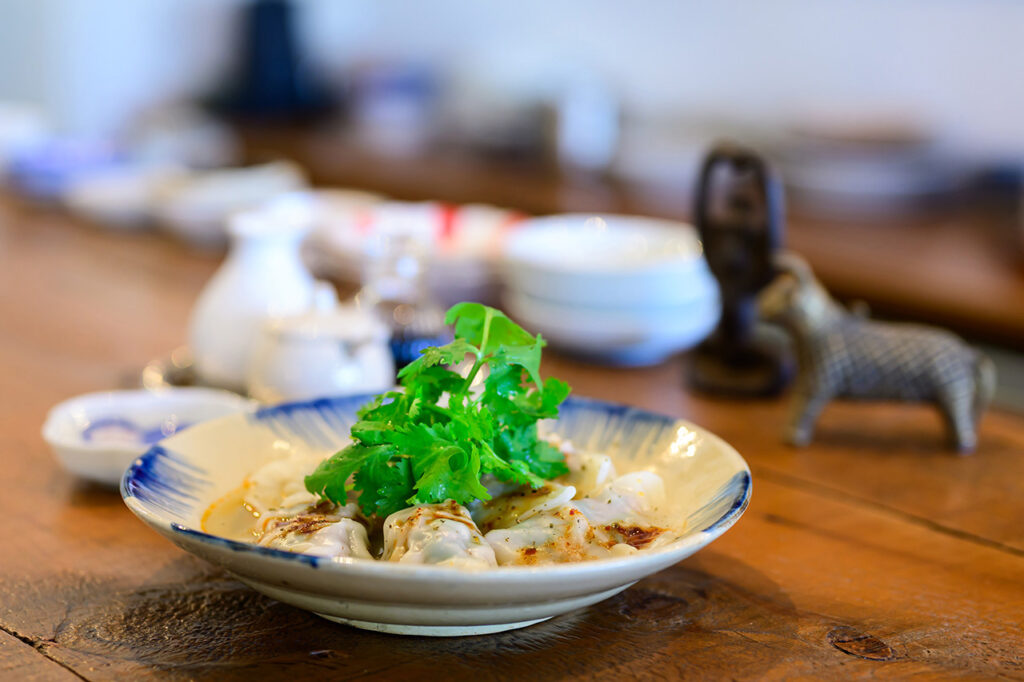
(496, 335)
(449, 354)
(383, 482)
(330, 479)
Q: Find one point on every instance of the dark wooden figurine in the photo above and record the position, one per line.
(738, 214)
(844, 355)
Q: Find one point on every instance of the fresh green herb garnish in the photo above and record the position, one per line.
(414, 447)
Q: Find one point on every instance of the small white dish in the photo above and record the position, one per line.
(460, 244)
(620, 290)
(97, 435)
(174, 483)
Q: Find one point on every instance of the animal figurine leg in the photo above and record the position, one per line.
(958, 408)
(804, 412)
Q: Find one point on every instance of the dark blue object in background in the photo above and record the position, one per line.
(272, 82)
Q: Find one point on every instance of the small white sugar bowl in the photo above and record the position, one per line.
(337, 352)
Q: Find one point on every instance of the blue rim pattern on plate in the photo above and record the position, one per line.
(164, 480)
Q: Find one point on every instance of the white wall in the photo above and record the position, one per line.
(94, 63)
(955, 63)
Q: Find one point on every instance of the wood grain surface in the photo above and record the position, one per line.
(20, 661)
(872, 553)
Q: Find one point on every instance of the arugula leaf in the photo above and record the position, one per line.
(433, 440)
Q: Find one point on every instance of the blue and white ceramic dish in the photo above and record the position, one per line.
(97, 435)
(176, 481)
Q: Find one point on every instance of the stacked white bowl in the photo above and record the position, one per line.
(619, 290)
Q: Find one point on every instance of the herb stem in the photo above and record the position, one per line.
(472, 374)
(440, 410)
(480, 359)
(488, 316)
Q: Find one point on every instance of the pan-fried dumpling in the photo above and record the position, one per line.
(319, 531)
(441, 534)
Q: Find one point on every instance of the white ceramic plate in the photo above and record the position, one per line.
(175, 482)
(122, 197)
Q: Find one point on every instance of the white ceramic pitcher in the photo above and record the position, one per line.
(263, 277)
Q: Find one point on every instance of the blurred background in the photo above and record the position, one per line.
(949, 67)
(897, 127)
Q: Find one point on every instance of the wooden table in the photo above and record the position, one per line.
(872, 553)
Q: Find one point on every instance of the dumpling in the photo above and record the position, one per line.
(521, 504)
(626, 510)
(632, 497)
(496, 488)
(587, 472)
(319, 531)
(553, 536)
(441, 534)
(280, 484)
(549, 526)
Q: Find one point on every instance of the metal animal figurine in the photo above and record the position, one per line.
(844, 355)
